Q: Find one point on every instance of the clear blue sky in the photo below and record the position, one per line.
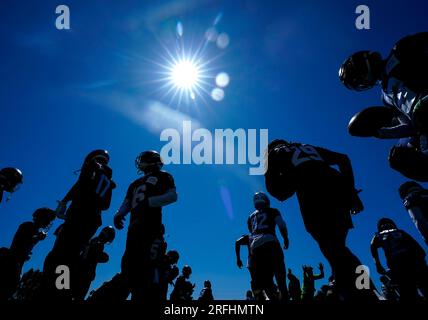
(64, 93)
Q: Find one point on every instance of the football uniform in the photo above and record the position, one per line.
(322, 191)
(145, 244)
(406, 261)
(267, 257)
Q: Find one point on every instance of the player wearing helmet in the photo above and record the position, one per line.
(294, 286)
(10, 180)
(402, 76)
(405, 259)
(91, 256)
(89, 196)
(415, 200)
(168, 272)
(206, 294)
(266, 253)
(144, 200)
(326, 196)
(183, 288)
(13, 259)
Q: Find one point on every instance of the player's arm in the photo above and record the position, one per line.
(170, 196)
(242, 241)
(124, 209)
(321, 275)
(345, 167)
(374, 248)
(282, 229)
(402, 130)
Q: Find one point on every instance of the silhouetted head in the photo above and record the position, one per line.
(43, 217)
(207, 284)
(99, 156)
(148, 161)
(408, 187)
(173, 256)
(10, 179)
(261, 201)
(386, 224)
(249, 294)
(186, 271)
(362, 70)
(107, 234)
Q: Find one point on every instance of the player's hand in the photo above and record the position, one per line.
(239, 263)
(42, 235)
(119, 221)
(60, 210)
(380, 269)
(356, 203)
(286, 243)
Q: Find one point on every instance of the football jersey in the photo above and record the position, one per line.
(263, 221)
(405, 79)
(150, 185)
(94, 187)
(396, 243)
(23, 241)
(304, 165)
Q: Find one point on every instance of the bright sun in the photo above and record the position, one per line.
(185, 75)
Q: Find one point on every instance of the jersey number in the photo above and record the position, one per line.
(303, 154)
(138, 195)
(259, 222)
(103, 186)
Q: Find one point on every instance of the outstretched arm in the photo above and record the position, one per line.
(374, 248)
(321, 275)
(282, 229)
(163, 200)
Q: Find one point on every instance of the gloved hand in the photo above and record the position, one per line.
(61, 209)
(380, 269)
(286, 243)
(119, 221)
(239, 263)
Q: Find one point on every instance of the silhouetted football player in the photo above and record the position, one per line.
(326, 196)
(183, 288)
(294, 289)
(415, 200)
(26, 237)
(144, 199)
(405, 259)
(402, 77)
(206, 294)
(89, 196)
(267, 257)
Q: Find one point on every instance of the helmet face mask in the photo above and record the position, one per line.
(360, 72)
(44, 217)
(148, 161)
(100, 156)
(408, 188)
(386, 224)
